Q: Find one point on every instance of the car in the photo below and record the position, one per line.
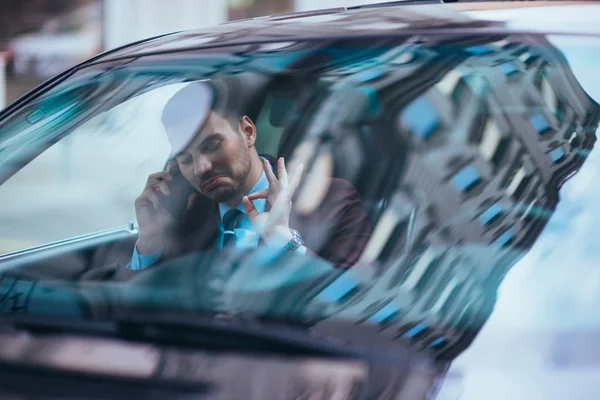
(441, 192)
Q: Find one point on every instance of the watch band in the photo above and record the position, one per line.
(295, 242)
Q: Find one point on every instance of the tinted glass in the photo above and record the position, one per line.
(431, 169)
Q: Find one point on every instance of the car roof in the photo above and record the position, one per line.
(367, 21)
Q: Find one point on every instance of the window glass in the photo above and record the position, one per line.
(87, 181)
(430, 170)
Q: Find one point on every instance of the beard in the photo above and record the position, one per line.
(222, 194)
(239, 176)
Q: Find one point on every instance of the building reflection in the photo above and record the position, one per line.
(484, 136)
(458, 151)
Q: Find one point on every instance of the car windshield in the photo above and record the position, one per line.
(386, 185)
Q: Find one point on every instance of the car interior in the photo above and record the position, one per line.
(283, 111)
(286, 108)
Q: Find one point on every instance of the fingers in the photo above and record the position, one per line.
(282, 172)
(161, 186)
(269, 172)
(261, 194)
(295, 182)
(289, 191)
(158, 182)
(249, 208)
(149, 196)
(148, 199)
(159, 176)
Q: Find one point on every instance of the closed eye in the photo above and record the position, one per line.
(211, 146)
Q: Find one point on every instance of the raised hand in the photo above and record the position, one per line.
(273, 226)
(152, 217)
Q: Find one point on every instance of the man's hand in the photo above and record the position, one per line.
(152, 217)
(273, 226)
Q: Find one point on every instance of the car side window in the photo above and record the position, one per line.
(87, 181)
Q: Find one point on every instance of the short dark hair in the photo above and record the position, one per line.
(238, 95)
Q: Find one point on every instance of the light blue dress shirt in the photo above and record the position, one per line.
(245, 235)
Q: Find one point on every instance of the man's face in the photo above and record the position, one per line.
(217, 162)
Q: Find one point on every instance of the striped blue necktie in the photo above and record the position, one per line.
(231, 220)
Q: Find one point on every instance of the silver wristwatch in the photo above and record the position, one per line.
(295, 242)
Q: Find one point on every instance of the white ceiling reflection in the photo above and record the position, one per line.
(548, 301)
(539, 342)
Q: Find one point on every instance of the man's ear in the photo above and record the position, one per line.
(248, 130)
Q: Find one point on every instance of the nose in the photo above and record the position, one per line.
(202, 165)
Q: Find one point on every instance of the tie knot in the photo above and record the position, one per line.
(231, 219)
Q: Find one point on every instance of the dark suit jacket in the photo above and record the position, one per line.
(337, 231)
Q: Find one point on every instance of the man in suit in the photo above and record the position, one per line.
(239, 198)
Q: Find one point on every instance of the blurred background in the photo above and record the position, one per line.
(40, 38)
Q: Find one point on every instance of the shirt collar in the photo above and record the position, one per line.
(260, 204)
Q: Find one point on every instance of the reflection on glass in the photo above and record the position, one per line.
(427, 172)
